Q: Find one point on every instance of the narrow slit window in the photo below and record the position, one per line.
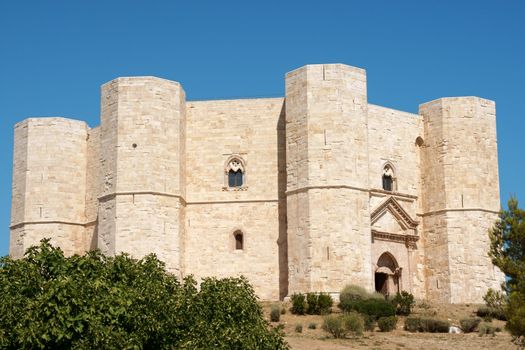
(239, 241)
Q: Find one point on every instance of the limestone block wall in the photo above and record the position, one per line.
(50, 182)
(143, 142)
(93, 187)
(460, 196)
(251, 130)
(153, 178)
(327, 159)
(392, 137)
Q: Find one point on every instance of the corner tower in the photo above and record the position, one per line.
(49, 185)
(142, 160)
(460, 191)
(327, 178)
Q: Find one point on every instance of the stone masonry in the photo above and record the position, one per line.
(305, 193)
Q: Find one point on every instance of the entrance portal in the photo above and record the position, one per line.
(387, 275)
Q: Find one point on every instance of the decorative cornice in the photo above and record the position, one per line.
(408, 240)
(441, 211)
(46, 222)
(322, 187)
(130, 193)
(372, 191)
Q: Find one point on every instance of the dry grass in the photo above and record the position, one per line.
(317, 339)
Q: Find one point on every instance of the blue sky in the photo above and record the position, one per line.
(54, 55)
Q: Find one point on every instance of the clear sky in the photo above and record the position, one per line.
(54, 55)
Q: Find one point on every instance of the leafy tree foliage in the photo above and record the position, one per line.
(50, 301)
(508, 253)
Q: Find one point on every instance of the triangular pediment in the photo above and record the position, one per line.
(390, 208)
(387, 222)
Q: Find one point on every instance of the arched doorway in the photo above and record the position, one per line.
(387, 275)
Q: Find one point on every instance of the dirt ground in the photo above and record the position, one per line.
(317, 339)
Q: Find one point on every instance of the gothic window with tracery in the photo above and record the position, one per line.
(235, 173)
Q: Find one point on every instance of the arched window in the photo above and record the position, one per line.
(239, 240)
(235, 174)
(234, 178)
(388, 178)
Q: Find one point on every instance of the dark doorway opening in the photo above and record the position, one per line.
(381, 283)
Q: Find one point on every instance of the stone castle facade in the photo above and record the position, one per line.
(309, 192)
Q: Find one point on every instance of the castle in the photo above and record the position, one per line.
(309, 192)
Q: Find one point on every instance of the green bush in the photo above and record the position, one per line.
(486, 328)
(374, 307)
(299, 328)
(325, 303)
(469, 325)
(495, 299)
(413, 324)
(488, 313)
(298, 304)
(403, 302)
(429, 325)
(98, 302)
(334, 325)
(353, 323)
(370, 323)
(275, 313)
(283, 310)
(312, 301)
(387, 324)
(312, 325)
(318, 304)
(352, 294)
(432, 325)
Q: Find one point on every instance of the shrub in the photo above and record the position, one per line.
(353, 323)
(312, 301)
(283, 310)
(325, 303)
(413, 324)
(353, 293)
(299, 328)
(403, 302)
(312, 325)
(370, 323)
(469, 325)
(387, 324)
(375, 307)
(495, 299)
(298, 304)
(488, 313)
(486, 328)
(275, 313)
(334, 325)
(430, 325)
(96, 302)
(318, 304)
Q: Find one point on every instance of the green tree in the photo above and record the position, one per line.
(508, 253)
(50, 301)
